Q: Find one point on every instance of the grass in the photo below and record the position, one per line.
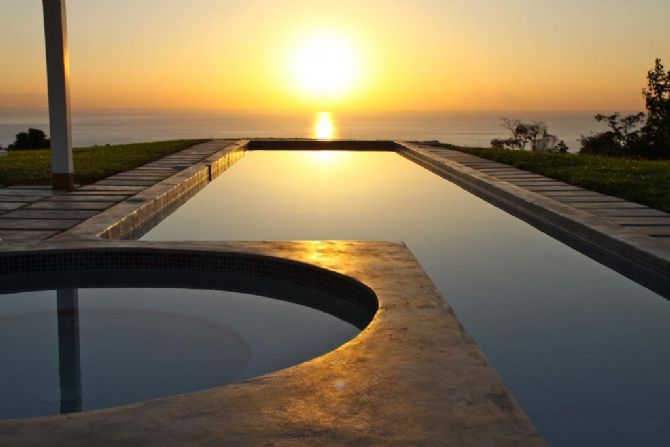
(642, 181)
(90, 163)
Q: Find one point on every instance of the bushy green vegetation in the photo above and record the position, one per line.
(30, 140)
(33, 167)
(642, 135)
(642, 181)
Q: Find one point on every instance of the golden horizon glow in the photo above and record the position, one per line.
(370, 56)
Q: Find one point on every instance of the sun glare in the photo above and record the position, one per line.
(324, 67)
(324, 127)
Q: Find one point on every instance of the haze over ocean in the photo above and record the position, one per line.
(114, 126)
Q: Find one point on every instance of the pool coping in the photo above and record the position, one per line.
(412, 377)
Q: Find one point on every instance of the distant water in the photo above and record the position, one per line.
(105, 126)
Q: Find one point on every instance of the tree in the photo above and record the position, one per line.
(656, 132)
(631, 135)
(623, 134)
(523, 134)
(562, 148)
(33, 139)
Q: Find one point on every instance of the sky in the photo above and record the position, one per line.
(368, 55)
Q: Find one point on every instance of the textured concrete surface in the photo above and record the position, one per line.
(412, 377)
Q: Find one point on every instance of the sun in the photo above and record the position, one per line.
(324, 66)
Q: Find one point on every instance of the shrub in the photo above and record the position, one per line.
(624, 133)
(603, 143)
(33, 139)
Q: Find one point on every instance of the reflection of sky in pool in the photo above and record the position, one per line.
(139, 344)
(585, 350)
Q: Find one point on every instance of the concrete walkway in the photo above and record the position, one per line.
(33, 213)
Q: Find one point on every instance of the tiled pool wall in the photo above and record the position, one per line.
(130, 265)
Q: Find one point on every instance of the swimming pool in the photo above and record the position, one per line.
(151, 325)
(583, 349)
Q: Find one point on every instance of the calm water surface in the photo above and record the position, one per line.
(96, 126)
(139, 344)
(584, 350)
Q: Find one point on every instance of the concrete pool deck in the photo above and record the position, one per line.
(412, 377)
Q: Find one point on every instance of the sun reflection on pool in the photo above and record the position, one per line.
(324, 158)
(324, 126)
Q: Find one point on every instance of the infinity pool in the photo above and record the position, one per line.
(584, 350)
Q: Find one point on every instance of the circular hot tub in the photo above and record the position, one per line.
(89, 329)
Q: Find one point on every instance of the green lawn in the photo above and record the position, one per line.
(641, 181)
(90, 163)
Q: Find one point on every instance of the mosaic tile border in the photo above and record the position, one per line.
(171, 260)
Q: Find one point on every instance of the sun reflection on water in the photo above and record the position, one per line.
(324, 158)
(324, 126)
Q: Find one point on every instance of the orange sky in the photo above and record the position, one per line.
(409, 55)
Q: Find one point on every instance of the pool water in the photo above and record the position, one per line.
(583, 349)
(71, 350)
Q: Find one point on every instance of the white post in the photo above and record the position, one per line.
(58, 76)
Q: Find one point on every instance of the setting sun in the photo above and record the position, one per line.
(324, 67)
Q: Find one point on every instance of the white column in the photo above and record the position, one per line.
(58, 76)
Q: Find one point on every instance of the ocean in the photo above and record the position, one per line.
(114, 126)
